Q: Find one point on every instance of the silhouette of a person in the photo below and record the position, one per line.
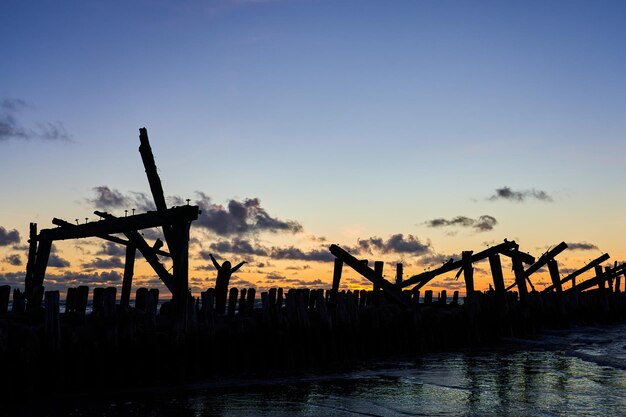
(224, 273)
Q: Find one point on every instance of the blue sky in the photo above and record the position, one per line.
(353, 118)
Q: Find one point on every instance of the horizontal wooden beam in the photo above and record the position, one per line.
(114, 239)
(114, 225)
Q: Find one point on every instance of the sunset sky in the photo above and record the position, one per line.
(404, 131)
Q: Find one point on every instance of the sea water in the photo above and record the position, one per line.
(575, 372)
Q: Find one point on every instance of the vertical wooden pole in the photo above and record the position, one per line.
(82, 296)
(129, 270)
(378, 269)
(39, 272)
(468, 274)
(498, 279)
(520, 278)
(30, 264)
(232, 301)
(618, 278)
(180, 260)
(52, 328)
(399, 273)
(5, 295)
(337, 275)
(553, 267)
(598, 270)
(609, 278)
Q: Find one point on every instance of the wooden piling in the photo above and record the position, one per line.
(553, 267)
(399, 273)
(232, 301)
(127, 281)
(468, 274)
(5, 295)
(82, 297)
(52, 326)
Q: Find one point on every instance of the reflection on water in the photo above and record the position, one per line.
(577, 373)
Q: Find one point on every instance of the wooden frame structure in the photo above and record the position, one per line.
(175, 222)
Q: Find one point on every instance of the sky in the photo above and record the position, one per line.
(405, 131)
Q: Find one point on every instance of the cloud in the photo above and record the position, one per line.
(9, 237)
(581, 246)
(238, 246)
(55, 261)
(293, 253)
(395, 244)
(13, 259)
(104, 263)
(11, 128)
(67, 279)
(437, 259)
(483, 224)
(241, 217)
(506, 193)
(111, 249)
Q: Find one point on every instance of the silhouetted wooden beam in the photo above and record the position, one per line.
(597, 280)
(390, 291)
(582, 270)
(525, 257)
(114, 239)
(148, 253)
(30, 264)
(129, 270)
(112, 224)
(543, 260)
(423, 278)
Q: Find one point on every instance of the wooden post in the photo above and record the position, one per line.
(82, 296)
(553, 267)
(618, 278)
(39, 272)
(5, 295)
(601, 280)
(468, 274)
(279, 299)
(399, 272)
(98, 300)
(498, 279)
(378, 270)
(443, 297)
(520, 278)
(455, 298)
(70, 300)
(52, 327)
(32, 256)
(272, 298)
(242, 301)
(141, 298)
(337, 275)
(251, 297)
(232, 301)
(108, 301)
(129, 269)
(428, 297)
(19, 301)
(609, 278)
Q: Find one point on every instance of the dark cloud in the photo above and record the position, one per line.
(581, 246)
(483, 224)
(11, 128)
(55, 261)
(316, 255)
(67, 279)
(107, 198)
(506, 193)
(437, 259)
(395, 244)
(14, 259)
(104, 263)
(275, 276)
(111, 249)
(310, 283)
(241, 217)
(238, 246)
(9, 237)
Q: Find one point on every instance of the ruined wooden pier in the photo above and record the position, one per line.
(102, 341)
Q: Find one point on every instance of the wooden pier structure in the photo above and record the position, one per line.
(102, 341)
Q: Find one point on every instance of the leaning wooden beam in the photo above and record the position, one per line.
(582, 270)
(597, 280)
(148, 253)
(114, 239)
(156, 188)
(112, 224)
(129, 270)
(543, 260)
(389, 290)
(423, 278)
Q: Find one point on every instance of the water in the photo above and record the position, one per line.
(580, 372)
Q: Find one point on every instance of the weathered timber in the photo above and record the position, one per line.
(424, 277)
(39, 272)
(32, 256)
(378, 269)
(468, 274)
(498, 279)
(127, 280)
(553, 267)
(111, 224)
(148, 253)
(389, 290)
(520, 279)
(5, 295)
(336, 277)
(52, 324)
(582, 270)
(114, 239)
(597, 280)
(399, 273)
(543, 259)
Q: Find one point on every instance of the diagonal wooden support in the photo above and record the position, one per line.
(582, 270)
(598, 280)
(543, 260)
(389, 290)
